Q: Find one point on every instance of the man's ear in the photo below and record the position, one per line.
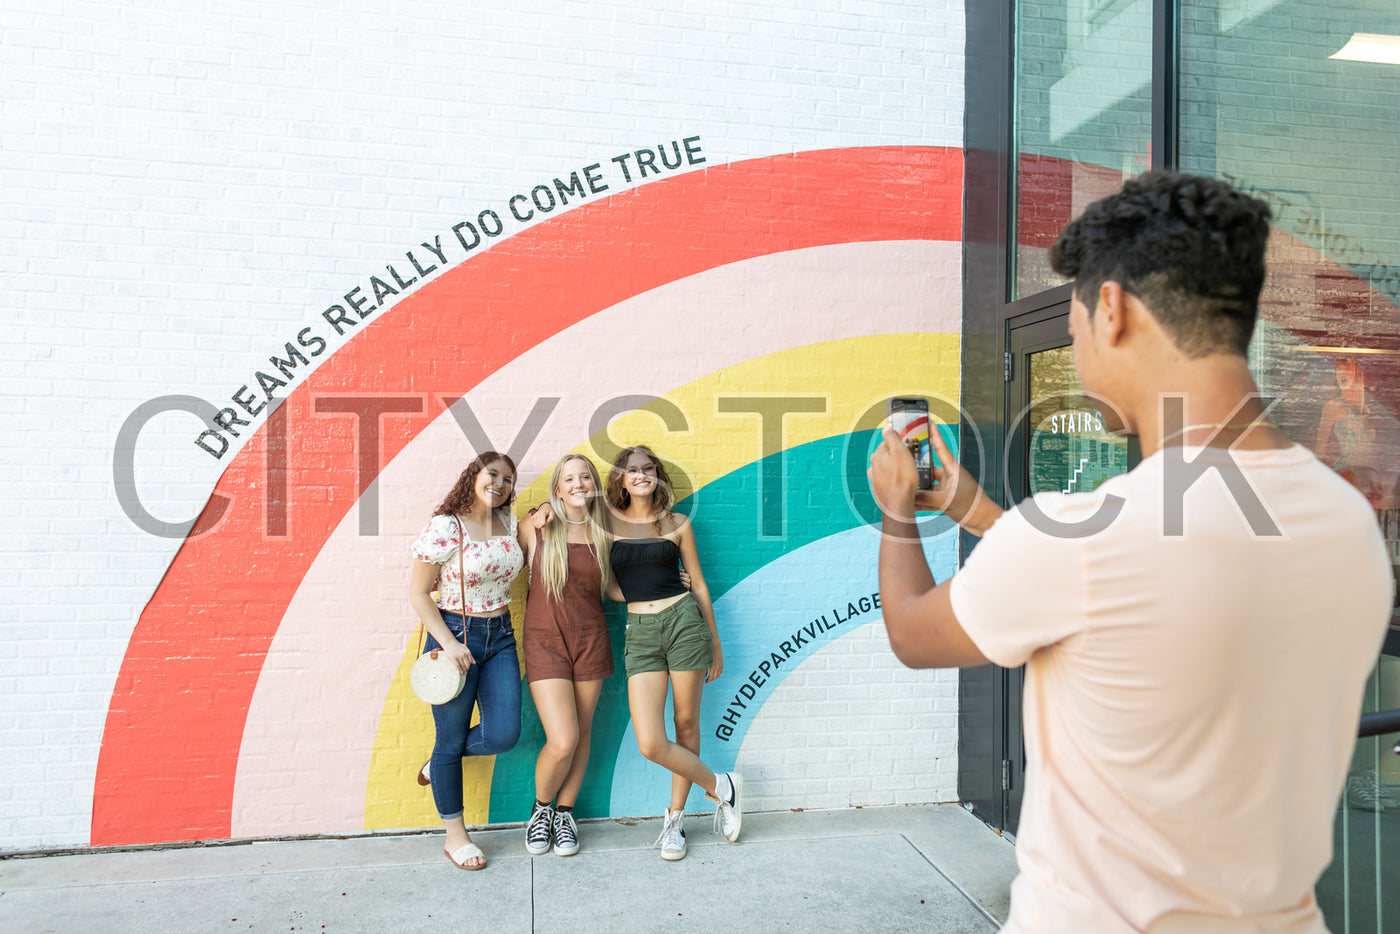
(1111, 313)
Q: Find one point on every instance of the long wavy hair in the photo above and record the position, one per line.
(554, 538)
(662, 495)
(462, 496)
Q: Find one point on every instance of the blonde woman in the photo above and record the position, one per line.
(672, 641)
(567, 649)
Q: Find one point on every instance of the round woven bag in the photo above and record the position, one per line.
(435, 678)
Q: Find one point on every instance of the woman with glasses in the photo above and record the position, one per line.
(672, 641)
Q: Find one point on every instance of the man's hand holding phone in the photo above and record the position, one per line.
(955, 493)
(894, 480)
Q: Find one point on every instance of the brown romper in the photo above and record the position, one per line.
(567, 638)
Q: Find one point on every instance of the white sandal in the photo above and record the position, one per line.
(465, 852)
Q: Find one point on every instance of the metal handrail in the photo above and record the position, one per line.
(1379, 723)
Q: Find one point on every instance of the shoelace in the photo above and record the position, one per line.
(722, 810)
(538, 832)
(672, 828)
(565, 831)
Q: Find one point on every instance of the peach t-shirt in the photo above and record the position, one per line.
(1191, 701)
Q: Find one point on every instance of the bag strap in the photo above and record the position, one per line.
(461, 581)
(461, 569)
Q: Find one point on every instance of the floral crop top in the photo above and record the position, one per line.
(490, 566)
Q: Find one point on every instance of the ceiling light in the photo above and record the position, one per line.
(1371, 47)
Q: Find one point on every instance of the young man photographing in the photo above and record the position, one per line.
(1197, 632)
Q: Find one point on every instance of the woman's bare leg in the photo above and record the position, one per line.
(585, 702)
(554, 700)
(686, 690)
(646, 699)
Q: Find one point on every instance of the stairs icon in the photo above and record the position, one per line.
(1069, 487)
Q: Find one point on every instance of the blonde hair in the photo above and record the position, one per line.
(554, 538)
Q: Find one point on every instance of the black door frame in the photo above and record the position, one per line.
(988, 180)
(992, 765)
(1040, 330)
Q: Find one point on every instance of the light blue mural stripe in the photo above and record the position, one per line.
(772, 622)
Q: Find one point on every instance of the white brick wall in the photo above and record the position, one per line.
(852, 726)
(185, 185)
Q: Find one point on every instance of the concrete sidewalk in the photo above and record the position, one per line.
(933, 868)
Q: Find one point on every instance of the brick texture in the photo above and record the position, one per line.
(185, 188)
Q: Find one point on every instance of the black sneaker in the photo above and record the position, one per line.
(565, 834)
(539, 836)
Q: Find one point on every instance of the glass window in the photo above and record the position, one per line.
(1358, 893)
(1068, 450)
(1264, 105)
(1268, 103)
(1082, 118)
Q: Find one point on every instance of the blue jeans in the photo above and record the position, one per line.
(493, 687)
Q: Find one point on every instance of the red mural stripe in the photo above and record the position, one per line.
(175, 723)
(1044, 198)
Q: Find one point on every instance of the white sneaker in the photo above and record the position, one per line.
(672, 839)
(729, 810)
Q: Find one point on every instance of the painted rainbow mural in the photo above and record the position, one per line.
(264, 691)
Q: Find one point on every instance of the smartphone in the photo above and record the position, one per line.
(909, 419)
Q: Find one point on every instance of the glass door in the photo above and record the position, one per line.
(1055, 442)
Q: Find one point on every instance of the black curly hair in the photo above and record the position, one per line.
(1190, 248)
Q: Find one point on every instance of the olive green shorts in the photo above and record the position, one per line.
(676, 639)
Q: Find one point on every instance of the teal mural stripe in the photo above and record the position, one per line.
(821, 489)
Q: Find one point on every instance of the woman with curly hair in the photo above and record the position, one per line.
(468, 554)
(672, 640)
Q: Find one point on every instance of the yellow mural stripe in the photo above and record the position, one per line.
(827, 387)
(842, 378)
(402, 743)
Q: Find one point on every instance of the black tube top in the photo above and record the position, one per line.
(647, 568)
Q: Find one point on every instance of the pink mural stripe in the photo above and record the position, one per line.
(843, 291)
(174, 726)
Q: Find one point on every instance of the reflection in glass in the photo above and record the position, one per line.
(1082, 118)
(1069, 451)
(1266, 105)
(1360, 891)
